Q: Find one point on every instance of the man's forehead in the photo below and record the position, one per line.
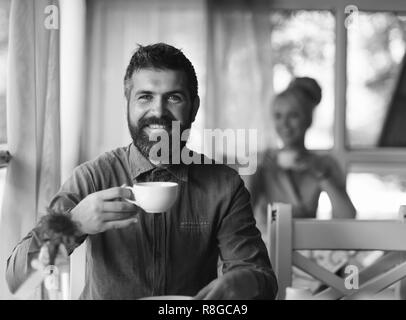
(159, 79)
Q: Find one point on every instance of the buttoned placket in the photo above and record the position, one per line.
(159, 246)
(144, 171)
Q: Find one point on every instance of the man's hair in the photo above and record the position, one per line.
(160, 56)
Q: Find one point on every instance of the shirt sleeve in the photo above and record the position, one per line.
(240, 243)
(71, 193)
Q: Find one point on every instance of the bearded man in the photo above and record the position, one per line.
(133, 254)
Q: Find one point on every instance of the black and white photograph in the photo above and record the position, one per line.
(216, 150)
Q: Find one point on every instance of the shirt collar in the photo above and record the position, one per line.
(139, 165)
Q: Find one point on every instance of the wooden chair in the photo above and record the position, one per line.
(287, 235)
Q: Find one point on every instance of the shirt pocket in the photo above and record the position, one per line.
(193, 224)
(194, 228)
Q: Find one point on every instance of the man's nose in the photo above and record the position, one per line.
(159, 107)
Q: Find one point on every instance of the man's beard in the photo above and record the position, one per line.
(142, 140)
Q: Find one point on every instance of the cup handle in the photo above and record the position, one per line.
(128, 200)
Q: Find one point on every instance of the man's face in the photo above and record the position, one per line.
(157, 98)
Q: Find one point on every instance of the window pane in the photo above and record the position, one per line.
(4, 14)
(377, 195)
(303, 44)
(376, 46)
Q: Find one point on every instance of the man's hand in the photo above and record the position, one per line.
(234, 285)
(104, 210)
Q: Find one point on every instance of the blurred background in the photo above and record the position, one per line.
(244, 52)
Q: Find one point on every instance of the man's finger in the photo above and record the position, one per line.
(116, 192)
(118, 206)
(116, 216)
(118, 224)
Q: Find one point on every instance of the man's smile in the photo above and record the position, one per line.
(156, 129)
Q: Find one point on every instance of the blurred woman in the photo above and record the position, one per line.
(297, 176)
(294, 174)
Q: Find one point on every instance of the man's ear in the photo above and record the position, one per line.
(195, 108)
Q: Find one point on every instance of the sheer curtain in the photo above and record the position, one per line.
(240, 84)
(33, 124)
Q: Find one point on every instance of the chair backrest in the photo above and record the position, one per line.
(287, 235)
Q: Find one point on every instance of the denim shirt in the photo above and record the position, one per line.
(170, 253)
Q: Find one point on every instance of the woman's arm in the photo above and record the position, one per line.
(332, 181)
(340, 201)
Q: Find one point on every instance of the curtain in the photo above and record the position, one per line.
(33, 175)
(240, 84)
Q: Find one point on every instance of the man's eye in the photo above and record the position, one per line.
(174, 98)
(145, 97)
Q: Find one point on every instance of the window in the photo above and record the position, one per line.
(385, 193)
(376, 45)
(365, 42)
(303, 44)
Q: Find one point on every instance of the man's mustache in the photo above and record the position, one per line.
(163, 121)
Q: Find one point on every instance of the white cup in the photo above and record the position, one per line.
(154, 197)
(287, 159)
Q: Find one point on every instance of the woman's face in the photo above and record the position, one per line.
(291, 121)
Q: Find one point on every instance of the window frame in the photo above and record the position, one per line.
(368, 158)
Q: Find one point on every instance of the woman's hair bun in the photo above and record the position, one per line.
(309, 87)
